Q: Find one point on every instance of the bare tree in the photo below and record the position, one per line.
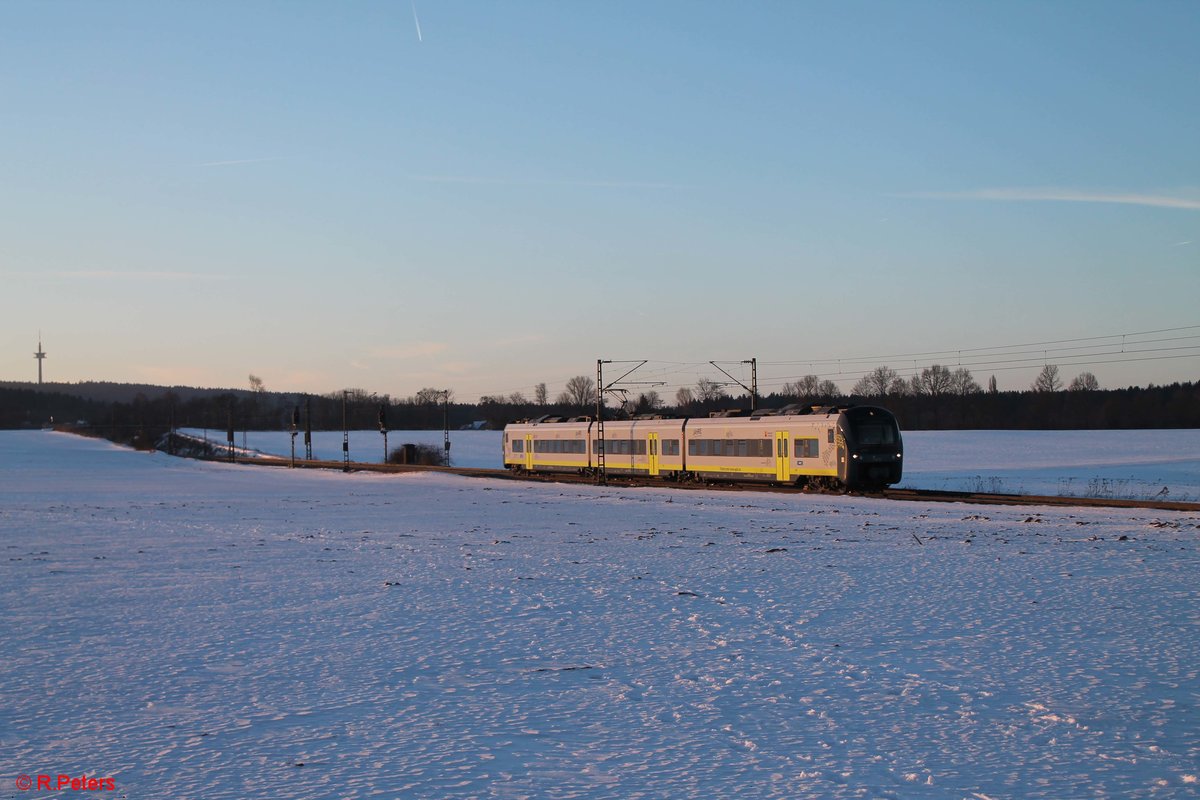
(828, 390)
(684, 397)
(430, 396)
(962, 382)
(648, 402)
(878, 382)
(803, 389)
(539, 394)
(993, 388)
(580, 391)
(256, 384)
(517, 399)
(1084, 382)
(1047, 380)
(934, 381)
(708, 390)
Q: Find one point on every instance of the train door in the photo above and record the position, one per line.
(652, 452)
(843, 464)
(783, 470)
(529, 452)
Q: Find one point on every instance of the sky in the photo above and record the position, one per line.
(484, 196)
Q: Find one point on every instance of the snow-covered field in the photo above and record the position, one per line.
(1128, 464)
(202, 630)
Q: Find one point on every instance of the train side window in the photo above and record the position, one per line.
(518, 446)
(829, 435)
(743, 448)
(807, 448)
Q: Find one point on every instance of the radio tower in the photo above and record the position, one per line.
(40, 356)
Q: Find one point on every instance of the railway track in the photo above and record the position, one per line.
(909, 495)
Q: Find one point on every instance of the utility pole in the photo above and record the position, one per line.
(345, 435)
(308, 429)
(383, 428)
(229, 435)
(753, 384)
(601, 472)
(611, 388)
(295, 426)
(446, 427)
(752, 389)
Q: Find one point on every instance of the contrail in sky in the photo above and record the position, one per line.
(1065, 195)
(239, 161)
(417, 21)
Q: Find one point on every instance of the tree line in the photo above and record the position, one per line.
(937, 397)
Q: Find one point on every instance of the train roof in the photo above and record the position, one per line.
(793, 410)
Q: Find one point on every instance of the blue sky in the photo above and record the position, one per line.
(327, 195)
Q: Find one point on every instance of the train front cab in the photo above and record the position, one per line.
(870, 449)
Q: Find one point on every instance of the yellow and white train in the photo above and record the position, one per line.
(819, 446)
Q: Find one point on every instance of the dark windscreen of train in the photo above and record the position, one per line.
(873, 433)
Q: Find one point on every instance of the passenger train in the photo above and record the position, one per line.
(827, 447)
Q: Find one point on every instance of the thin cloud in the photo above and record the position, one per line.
(1182, 244)
(531, 182)
(119, 275)
(1063, 196)
(239, 161)
(406, 351)
(513, 341)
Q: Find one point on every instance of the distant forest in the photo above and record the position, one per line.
(140, 414)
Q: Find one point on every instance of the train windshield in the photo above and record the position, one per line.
(876, 433)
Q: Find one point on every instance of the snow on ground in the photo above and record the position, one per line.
(1128, 464)
(204, 630)
(1135, 464)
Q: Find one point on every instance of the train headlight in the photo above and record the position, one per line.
(855, 455)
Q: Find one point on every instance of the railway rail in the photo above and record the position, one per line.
(909, 495)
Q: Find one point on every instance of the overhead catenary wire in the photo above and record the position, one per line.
(1117, 348)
